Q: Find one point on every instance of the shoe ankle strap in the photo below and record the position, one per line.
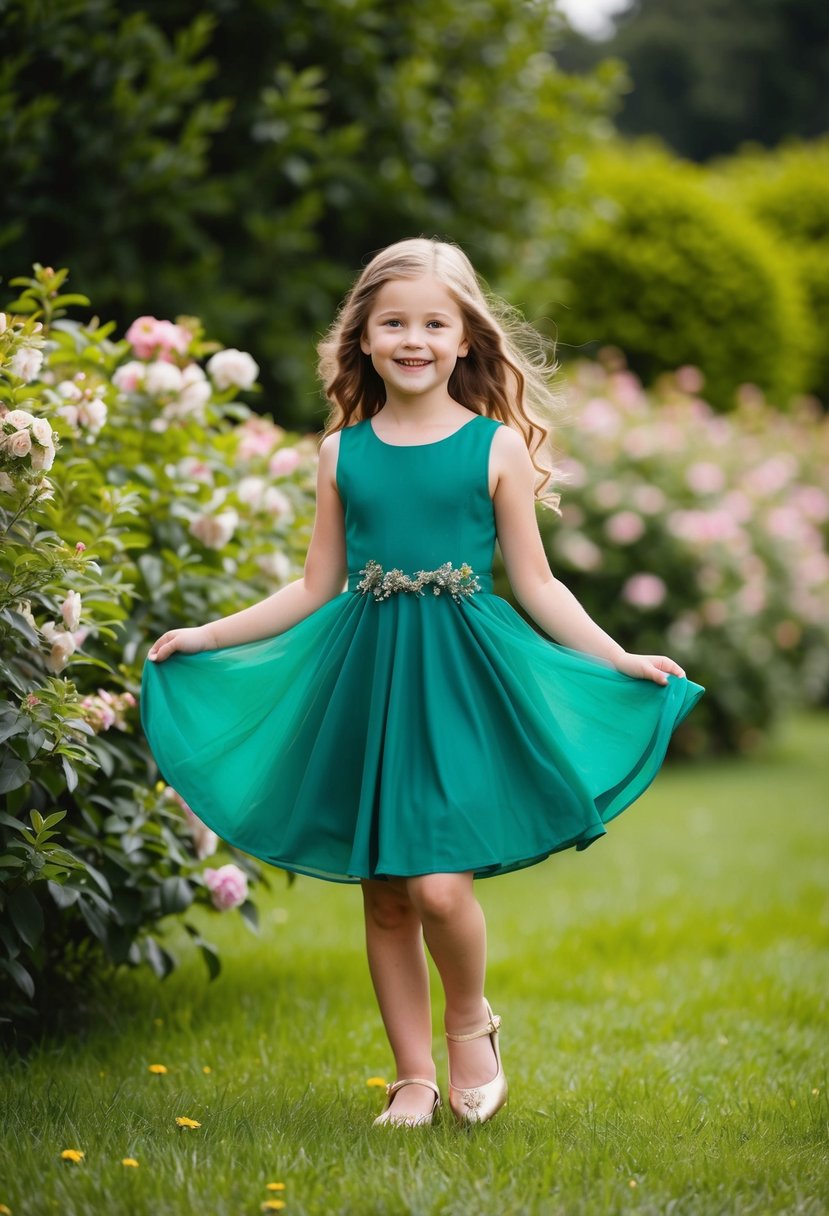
(490, 1028)
(393, 1087)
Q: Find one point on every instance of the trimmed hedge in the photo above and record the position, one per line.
(674, 276)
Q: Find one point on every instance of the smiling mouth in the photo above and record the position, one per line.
(413, 362)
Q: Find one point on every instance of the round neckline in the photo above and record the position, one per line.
(432, 443)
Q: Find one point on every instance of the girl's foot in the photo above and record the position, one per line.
(412, 1103)
(474, 1062)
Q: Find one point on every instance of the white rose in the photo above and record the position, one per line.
(42, 431)
(62, 647)
(162, 378)
(275, 565)
(92, 414)
(128, 377)
(233, 368)
(276, 502)
(6, 483)
(71, 611)
(19, 418)
(43, 458)
(26, 363)
(19, 444)
(193, 397)
(68, 390)
(69, 412)
(250, 491)
(214, 531)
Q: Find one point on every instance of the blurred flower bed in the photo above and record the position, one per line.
(702, 536)
(136, 495)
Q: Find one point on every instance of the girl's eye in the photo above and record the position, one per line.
(438, 323)
(393, 321)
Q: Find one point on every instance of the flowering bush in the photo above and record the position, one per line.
(701, 536)
(136, 494)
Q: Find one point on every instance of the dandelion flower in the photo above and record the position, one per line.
(72, 1154)
(274, 1186)
(376, 1082)
(272, 1205)
(159, 1069)
(633, 1183)
(207, 1069)
(183, 1121)
(129, 1161)
(815, 1091)
(4, 1211)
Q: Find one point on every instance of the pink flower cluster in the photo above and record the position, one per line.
(151, 338)
(105, 709)
(228, 886)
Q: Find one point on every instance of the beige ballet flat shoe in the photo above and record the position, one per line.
(480, 1103)
(407, 1120)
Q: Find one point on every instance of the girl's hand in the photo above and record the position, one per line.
(188, 641)
(656, 667)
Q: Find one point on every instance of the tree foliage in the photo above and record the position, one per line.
(246, 160)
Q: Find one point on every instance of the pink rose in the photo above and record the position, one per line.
(644, 590)
(151, 338)
(705, 477)
(214, 531)
(624, 527)
(71, 611)
(228, 887)
(284, 462)
(128, 376)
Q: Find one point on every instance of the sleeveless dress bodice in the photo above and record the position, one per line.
(419, 727)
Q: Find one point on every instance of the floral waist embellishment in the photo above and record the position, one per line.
(458, 582)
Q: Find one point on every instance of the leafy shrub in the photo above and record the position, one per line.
(702, 536)
(787, 189)
(674, 276)
(136, 494)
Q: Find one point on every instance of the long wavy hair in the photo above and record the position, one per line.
(506, 374)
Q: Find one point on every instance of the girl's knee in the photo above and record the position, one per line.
(439, 896)
(387, 905)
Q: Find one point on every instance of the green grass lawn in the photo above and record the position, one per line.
(664, 1004)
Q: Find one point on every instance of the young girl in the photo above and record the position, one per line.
(412, 732)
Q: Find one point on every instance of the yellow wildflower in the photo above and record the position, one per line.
(159, 1069)
(633, 1183)
(72, 1154)
(129, 1161)
(207, 1069)
(183, 1121)
(377, 1081)
(275, 1186)
(815, 1091)
(4, 1211)
(272, 1205)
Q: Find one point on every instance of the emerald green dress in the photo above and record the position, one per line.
(399, 732)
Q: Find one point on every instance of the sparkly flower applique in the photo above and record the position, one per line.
(382, 584)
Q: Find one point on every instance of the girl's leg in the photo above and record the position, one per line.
(399, 972)
(455, 932)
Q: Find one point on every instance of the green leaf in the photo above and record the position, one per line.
(211, 959)
(13, 773)
(176, 895)
(250, 914)
(70, 774)
(161, 961)
(20, 976)
(26, 915)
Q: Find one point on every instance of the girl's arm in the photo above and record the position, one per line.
(323, 578)
(555, 609)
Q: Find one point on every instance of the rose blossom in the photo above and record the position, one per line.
(214, 531)
(258, 436)
(68, 390)
(42, 431)
(275, 565)
(228, 886)
(151, 338)
(62, 646)
(162, 378)
(19, 419)
(644, 590)
(250, 490)
(92, 414)
(19, 444)
(232, 368)
(624, 527)
(275, 502)
(71, 610)
(128, 376)
(43, 458)
(205, 842)
(705, 477)
(6, 483)
(283, 462)
(26, 363)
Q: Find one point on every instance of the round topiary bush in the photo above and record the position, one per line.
(787, 189)
(674, 276)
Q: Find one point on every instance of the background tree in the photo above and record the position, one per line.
(245, 161)
(710, 75)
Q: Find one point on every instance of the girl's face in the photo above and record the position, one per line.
(414, 335)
